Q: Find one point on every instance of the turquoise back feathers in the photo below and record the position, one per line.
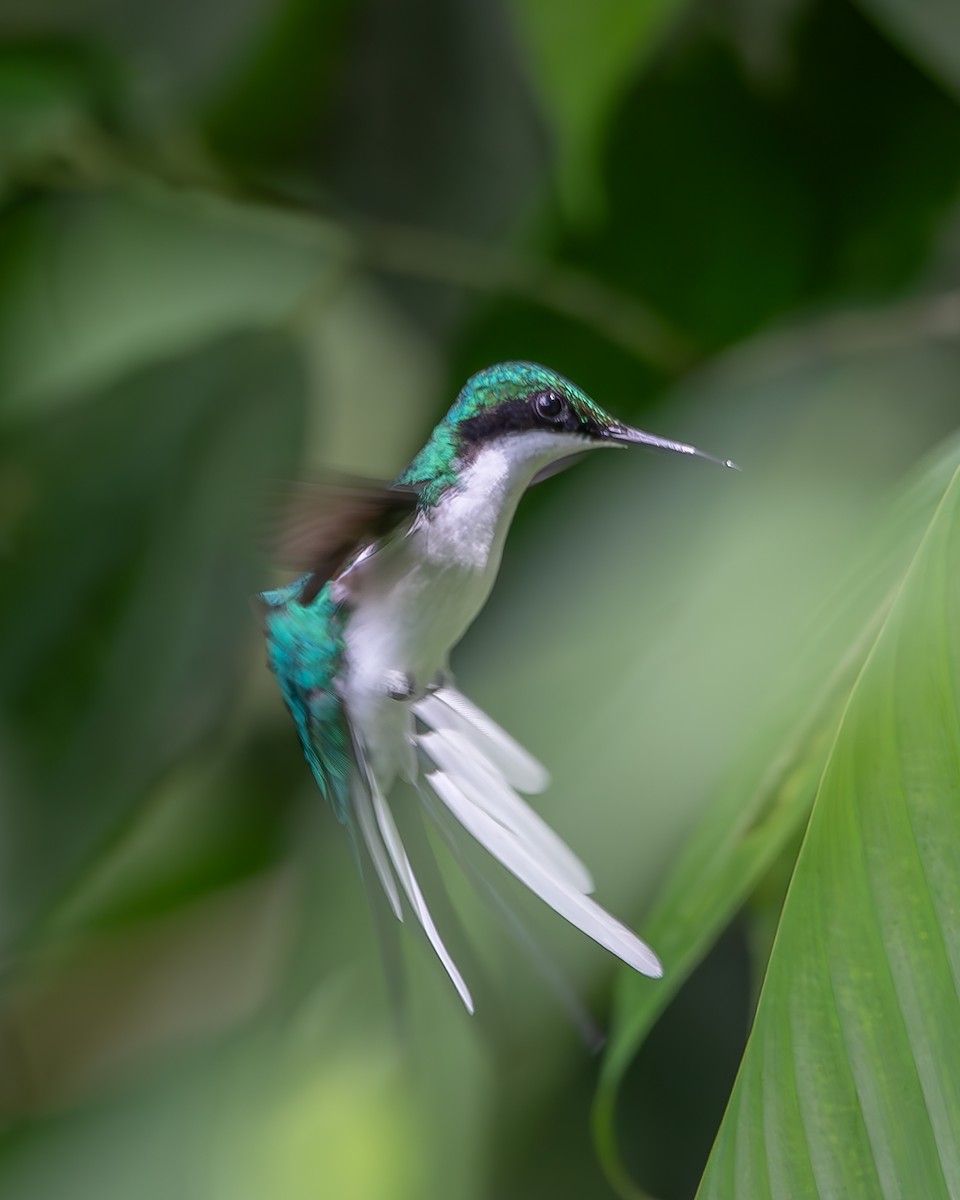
(305, 652)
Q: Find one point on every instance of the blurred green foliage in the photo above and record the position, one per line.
(238, 240)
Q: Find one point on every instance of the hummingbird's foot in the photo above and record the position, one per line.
(401, 686)
(442, 679)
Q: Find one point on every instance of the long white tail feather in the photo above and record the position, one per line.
(374, 844)
(479, 782)
(401, 864)
(577, 908)
(446, 708)
(561, 987)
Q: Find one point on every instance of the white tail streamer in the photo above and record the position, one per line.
(447, 709)
(577, 908)
(452, 753)
(408, 881)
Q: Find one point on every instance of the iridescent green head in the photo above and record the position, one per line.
(524, 401)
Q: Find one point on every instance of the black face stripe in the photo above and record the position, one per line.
(521, 415)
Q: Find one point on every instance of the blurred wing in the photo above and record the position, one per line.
(321, 524)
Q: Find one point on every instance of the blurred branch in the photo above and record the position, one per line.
(95, 163)
(934, 317)
(388, 247)
(620, 318)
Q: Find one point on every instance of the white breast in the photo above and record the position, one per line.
(416, 596)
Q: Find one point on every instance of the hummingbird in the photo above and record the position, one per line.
(360, 644)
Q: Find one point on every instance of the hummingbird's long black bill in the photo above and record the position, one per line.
(627, 436)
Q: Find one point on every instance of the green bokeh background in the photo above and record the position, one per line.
(240, 239)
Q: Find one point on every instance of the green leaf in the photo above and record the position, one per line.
(431, 123)
(141, 274)
(169, 57)
(850, 1085)
(48, 94)
(583, 57)
(124, 615)
(929, 32)
(768, 796)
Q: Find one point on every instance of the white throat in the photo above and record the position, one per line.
(474, 517)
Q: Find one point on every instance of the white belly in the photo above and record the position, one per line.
(415, 597)
(411, 603)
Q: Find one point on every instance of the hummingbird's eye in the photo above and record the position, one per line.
(549, 405)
